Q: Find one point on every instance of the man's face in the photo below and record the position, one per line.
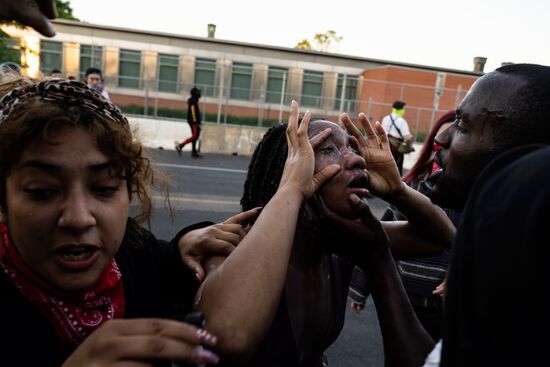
(94, 81)
(469, 143)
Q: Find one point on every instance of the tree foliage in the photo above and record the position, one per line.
(324, 42)
(11, 51)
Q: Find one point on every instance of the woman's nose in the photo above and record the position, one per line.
(76, 213)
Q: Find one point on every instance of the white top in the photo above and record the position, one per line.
(401, 124)
(106, 95)
(434, 358)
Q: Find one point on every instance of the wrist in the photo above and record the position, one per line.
(399, 195)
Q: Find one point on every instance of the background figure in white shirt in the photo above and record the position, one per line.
(94, 80)
(395, 125)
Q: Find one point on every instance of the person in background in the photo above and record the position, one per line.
(194, 120)
(56, 73)
(94, 80)
(421, 276)
(396, 127)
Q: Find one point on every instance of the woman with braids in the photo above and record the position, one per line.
(283, 303)
(80, 282)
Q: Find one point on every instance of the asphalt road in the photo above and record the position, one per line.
(210, 189)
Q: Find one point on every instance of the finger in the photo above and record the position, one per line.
(319, 138)
(160, 347)
(292, 127)
(242, 217)
(149, 326)
(324, 175)
(48, 8)
(237, 229)
(195, 266)
(34, 18)
(220, 247)
(363, 208)
(381, 134)
(302, 129)
(371, 135)
(352, 129)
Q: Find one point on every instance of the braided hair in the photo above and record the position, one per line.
(265, 169)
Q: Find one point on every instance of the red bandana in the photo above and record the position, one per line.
(74, 316)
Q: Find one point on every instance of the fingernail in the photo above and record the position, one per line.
(354, 198)
(198, 277)
(206, 337)
(207, 356)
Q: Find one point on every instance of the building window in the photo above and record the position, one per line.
(312, 87)
(349, 94)
(241, 80)
(129, 69)
(168, 73)
(51, 56)
(277, 79)
(90, 56)
(205, 76)
(10, 50)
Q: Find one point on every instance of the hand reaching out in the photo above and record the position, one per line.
(384, 178)
(217, 239)
(139, 342)
(20, 11)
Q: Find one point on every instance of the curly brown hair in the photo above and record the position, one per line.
(42, 118)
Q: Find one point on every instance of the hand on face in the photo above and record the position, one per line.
(300, 163)
(141, 341)
(20, 11)
(355, 239)
(384, 178)
(216, 240)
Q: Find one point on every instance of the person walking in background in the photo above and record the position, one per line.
(194, 119)
(94, 80)
(397, 129)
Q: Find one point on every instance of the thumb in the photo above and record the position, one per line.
(194, 266)
(363, 208)
(324, 175)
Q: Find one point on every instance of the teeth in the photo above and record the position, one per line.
(77, 254)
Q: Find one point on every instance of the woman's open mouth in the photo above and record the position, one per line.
(76, 257)
(358, 186)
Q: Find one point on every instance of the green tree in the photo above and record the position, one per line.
(324, 42)
(10, 50)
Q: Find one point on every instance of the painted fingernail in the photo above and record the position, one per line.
(206, 337)
(207, 356)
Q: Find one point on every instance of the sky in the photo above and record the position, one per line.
(440, 33)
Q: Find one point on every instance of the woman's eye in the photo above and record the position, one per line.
(40, 194)
(328, 150)
(106, 191)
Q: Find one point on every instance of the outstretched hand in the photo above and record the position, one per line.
(355, 239)
(384, 177)
(140, 342)
(216, 240)
(20, 11)
(299, 168)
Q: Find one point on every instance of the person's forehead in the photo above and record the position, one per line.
(93, 75)
(492, 91)
(317, 126)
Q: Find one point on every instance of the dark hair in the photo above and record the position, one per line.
(425, 159)
(526, 111)
(398, 105)
(265, 168)
(94, 71)
(55, 71)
